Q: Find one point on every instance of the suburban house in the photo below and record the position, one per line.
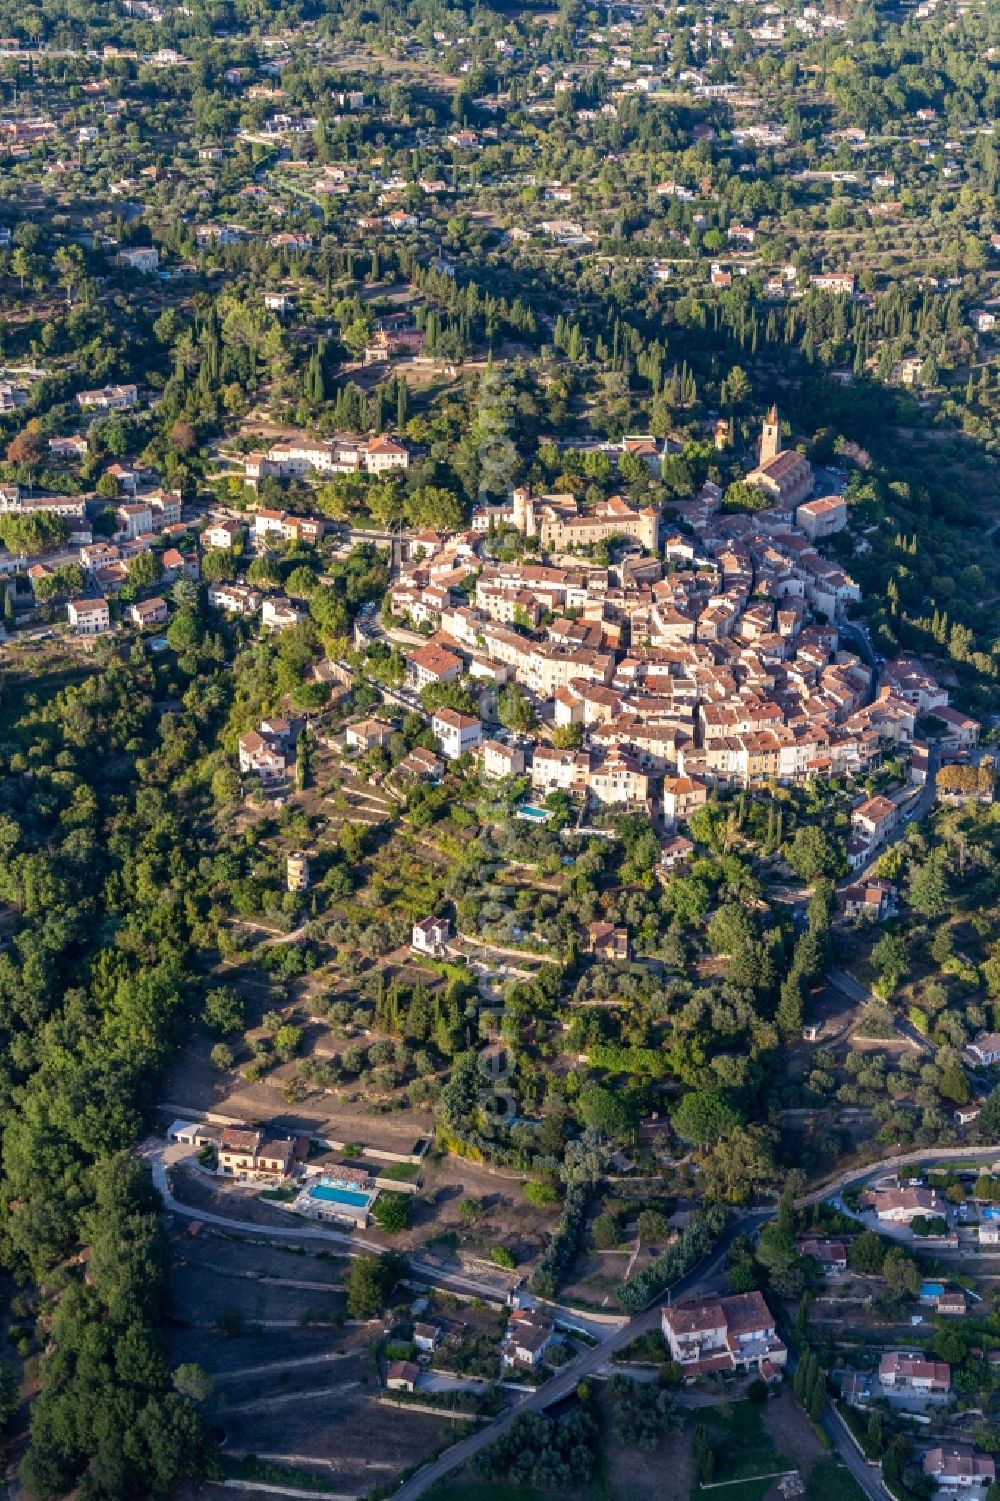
(421, 763)
(74, 447)
(874, 820)
(148, 612)
(606, 941)
(874, 898)
(426, 1337)
(234, 599)
(382, 454)
(433, 664)
(989, 1232)
(402, 1375)
(953, 1305)
(109, 398)
(914, 1372)
(898, 1206)
(248, 1152)
(279, 613)
(177, 565)
(368, 734)
(529, 1336)
(675, 851)
(500, 760)
(830, 1255)
(265, 753)
(221, 534)
(430, 935)
(456, 733)
(985, 1048)
(143, 258)
(285, 528)
(724, 1334)
(89, 617)
(958, 1468)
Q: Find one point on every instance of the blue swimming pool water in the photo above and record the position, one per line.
(931, 1289)
(331, 1195)
(991, 1212)
(536, 815)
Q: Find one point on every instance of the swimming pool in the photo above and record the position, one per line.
(931, 1289)
(533, 814)
(990, 1212)
(331, 1195)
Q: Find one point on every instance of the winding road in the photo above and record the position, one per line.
(591, 1361)
(158, 1154)
(611, 1338)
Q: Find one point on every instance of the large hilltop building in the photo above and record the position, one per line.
(559, 523)
(785, 474)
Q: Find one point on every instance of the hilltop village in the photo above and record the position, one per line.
(499, 847)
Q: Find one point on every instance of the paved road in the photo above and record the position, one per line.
(590, 1361)
(587, 1364)
(156, 1153)
(917, 809)
(868, 1477)
(859, 635)
(848, 986)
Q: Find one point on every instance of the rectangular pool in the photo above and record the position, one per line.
(931, 1289)
(990, 1212)
(532, 814)
(331, 1195)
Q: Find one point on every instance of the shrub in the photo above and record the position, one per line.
(606, 1232)
(391, 1212)
(542, 1195)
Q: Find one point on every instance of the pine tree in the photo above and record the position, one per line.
(875, 1433)
(789, 1012)
(802, 1380)
(786, 1210)
(816, 1401)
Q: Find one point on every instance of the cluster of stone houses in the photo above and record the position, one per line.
(300, 456)
(714, 659)
(146, 518)
(558, 521)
